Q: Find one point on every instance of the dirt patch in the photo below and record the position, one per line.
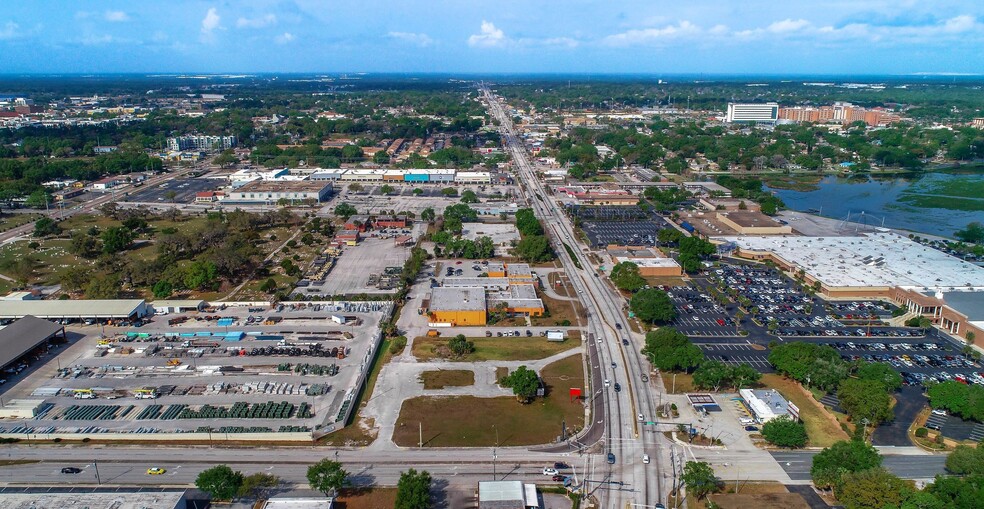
(494, 349)
(447, 378)
(759, 501)
(366, 498)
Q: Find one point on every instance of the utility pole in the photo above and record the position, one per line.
(420, 442)
(494, 451)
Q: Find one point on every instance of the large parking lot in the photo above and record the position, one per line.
(184, 190)
(630, 233)
(232, 370)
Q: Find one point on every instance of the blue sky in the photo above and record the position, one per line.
(478, 36)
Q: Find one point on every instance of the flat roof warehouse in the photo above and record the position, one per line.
(75, 309)
(871, 260)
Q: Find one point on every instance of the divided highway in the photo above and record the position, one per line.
(617, 360)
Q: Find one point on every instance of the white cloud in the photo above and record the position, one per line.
(422, 40)
(10, 30)
(210, 23)
(492, 37)
(489, 37)
(116, 16)
(650, 35)
(788, 25)
(260, 22)
(284, 38)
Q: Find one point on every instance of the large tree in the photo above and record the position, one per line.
(116, 239)
(326, 476)
(524, 382)
(669, 349)
(221, 482)
(874, 488)
(712, 375)
(653, 305)
(413, 490)
(973, 233)
(865, 400)
(534, 248)
(880, 372)
(626, 276)
(784, 432)
(815, 365)
(699, 478)
(830, 464)
(966, 460)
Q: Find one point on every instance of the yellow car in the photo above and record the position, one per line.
(155, 471)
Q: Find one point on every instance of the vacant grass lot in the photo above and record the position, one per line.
(822, 428)
(495, 349)
(684, 383)
(447, 378)
(466, 421)
(9, 221)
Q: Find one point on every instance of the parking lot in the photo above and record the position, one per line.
(630, 233)
(234, 370)
(184, 190)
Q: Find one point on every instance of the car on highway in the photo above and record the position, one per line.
(558, 477)
(645, 459)
(155, 471)
(607, 382)
(549, 471)
(560, 465)
(618, 326)
(613, 365)
(618, 388)
(751, 428)
(625, 342)
(71, 470)
(611, 458)
(641, 418)
(645, 378)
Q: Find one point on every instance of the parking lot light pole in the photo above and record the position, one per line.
(494, 451)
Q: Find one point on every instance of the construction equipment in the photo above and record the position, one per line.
(145, 393)
(84, 394)
(174, 362)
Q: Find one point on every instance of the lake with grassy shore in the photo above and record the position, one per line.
(937, 203)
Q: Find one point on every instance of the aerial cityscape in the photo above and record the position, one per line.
(306, 254)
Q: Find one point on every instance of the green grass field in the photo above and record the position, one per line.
(927, 201)
(447, 378)
(494, 349)
(466, 421)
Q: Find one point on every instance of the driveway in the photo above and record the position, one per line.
(909, 401)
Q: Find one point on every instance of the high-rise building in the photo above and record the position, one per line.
(201, 142)
(766, 113)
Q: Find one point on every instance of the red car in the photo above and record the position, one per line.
(559, 477)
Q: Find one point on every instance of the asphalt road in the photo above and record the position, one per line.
(923, 466)
(623, 441)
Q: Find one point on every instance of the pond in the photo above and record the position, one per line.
(938, 203)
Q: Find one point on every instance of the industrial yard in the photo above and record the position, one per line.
(290, 372)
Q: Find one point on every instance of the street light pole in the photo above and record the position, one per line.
(494, 451)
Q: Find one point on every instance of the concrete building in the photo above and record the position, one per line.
(496, 269)
(517, 300)
(519, 274)
(201, 142)
(766, 405)
(958, 312)
(24, 335)
(207, 196)
(978, 123)
(489, 283)
(117, 309)
(80, 498)
(457, 306)
(473, 177)
(614, 199)
(507, 495)
(178, 305)
(270, 192)
(707, 188)
(289, 502)
(390, 222)
(765, 113)
(106, 183)
(747, 222)
(651, 262)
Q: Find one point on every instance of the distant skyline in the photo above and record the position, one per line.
(504, 36)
